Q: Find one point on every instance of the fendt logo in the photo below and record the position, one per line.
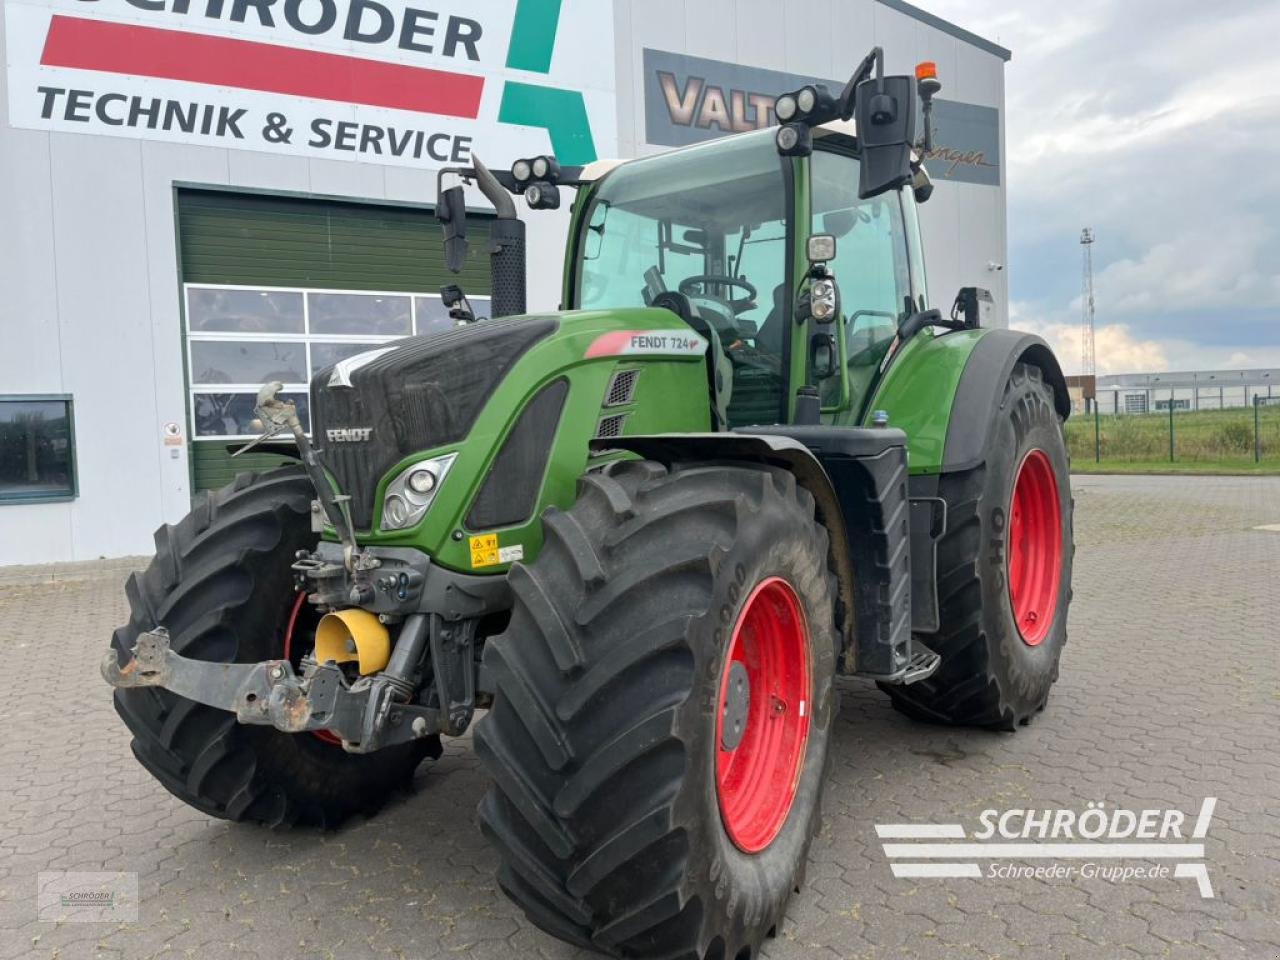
(348, 434)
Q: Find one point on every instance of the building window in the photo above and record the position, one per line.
(239, 338)
(37, 449)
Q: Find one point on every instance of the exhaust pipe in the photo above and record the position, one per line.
(506, 236)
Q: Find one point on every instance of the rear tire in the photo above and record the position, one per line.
(603, 740)
(996, 672)
(221, 583)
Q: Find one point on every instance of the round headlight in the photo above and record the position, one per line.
(785, 107)
(807, 99)
(520, 170)
(397, 510)
(422, 481)
(533, 194)
(540, 167)
(821, 309)
(821, 289)
(787, 138)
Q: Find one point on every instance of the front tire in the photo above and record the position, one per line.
(1004, 571)
(623, 821)
(221, 582)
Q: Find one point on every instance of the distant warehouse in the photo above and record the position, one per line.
(1186, 390)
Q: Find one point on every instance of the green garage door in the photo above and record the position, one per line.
(275, 288)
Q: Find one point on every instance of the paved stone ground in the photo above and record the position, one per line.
(1170, 692)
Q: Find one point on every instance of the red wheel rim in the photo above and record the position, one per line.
(298, 601)
(758, 771)
(1035, 547)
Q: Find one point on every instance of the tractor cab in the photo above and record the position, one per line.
(738, 237)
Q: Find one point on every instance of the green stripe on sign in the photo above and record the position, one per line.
(533, 35)
(562, 113)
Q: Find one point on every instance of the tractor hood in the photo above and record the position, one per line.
(370, 411)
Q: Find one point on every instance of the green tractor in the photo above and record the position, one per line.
(644, 533)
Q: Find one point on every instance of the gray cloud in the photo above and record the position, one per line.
(1157, 122)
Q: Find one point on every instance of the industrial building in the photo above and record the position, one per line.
(1186, 390)
(202, 196)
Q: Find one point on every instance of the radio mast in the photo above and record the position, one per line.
(1088, 362)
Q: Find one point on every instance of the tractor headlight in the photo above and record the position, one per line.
(807, 99)
(785, 107)
(422, 481)
(822, 301)
(521, 170)
(411, 491)
(541, 168)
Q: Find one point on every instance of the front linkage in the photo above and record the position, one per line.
(368, 714)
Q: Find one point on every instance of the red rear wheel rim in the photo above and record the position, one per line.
(1035, 547)
(298, 601)
(756, 778)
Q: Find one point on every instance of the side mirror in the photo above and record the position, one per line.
(885, 113)
(451, 211)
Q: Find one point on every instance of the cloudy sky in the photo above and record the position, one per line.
(1156, 122)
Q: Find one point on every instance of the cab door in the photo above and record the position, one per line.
(878, 270)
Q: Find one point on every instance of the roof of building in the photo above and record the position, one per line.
(1186, 379)
(924, 16)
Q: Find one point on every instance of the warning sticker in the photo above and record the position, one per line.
(484, 550)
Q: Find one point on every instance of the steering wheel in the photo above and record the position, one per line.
(704, 280)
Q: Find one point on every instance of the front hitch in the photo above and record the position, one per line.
(366, 715)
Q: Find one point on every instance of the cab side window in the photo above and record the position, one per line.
(871, 265)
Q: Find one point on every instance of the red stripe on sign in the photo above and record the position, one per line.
(249, 65)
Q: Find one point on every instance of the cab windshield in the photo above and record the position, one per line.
(708, 222)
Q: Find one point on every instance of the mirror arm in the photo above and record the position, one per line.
(874, 59)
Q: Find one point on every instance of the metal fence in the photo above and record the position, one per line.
(1239, 435)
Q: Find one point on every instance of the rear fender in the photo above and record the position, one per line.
(943, 391)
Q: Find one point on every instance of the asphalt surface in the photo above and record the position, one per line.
(1170, 693)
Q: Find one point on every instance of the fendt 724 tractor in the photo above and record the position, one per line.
(643, 534)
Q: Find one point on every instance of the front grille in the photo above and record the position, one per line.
(425, 392)
(510, 489)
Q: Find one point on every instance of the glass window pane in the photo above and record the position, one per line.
(327, 354)
(433, 315)
(870, 267)
(244, 311)
(360, 313)
(35, 449)
(247, 362)
(232, 414)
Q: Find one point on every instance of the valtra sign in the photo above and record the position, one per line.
(420, 84)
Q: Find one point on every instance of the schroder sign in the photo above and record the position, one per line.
(688, 99)
(381, 81)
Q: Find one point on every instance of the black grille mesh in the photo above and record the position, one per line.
(610, 426)
(621, 388)
(510, 490)
(426, 392)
